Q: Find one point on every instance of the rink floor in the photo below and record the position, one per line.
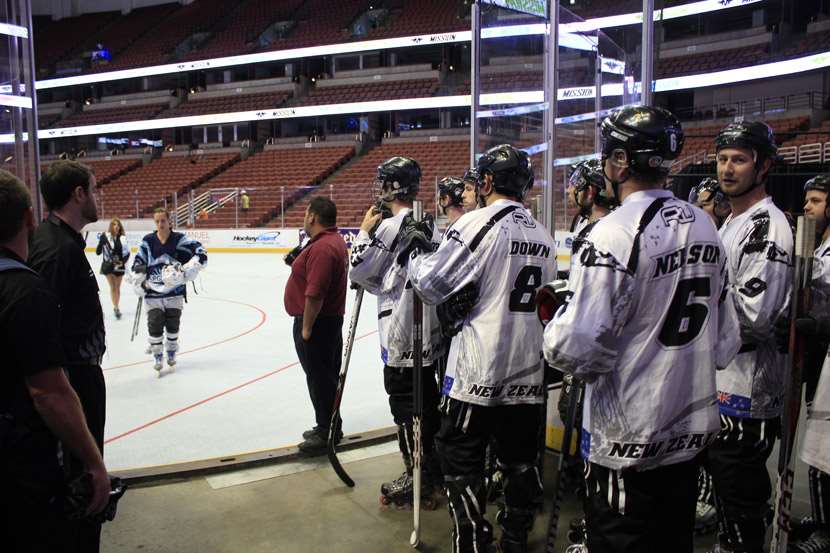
(237, 387)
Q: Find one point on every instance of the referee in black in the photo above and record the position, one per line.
(38, 406)
(57, 254)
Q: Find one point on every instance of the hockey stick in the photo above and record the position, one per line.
(799, 305)
(137, 319)
(336, 422)
(417, 399)
(561, 473)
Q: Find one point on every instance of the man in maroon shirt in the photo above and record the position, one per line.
(316, 297)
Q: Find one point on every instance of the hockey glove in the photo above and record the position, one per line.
(192, 268)
(137, 280)
(415, 236)
(172, 275)
(451, 313)
(549, 298)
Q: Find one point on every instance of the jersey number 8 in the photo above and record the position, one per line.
(523, 295)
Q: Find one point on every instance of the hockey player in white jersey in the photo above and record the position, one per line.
(494, 381)
(374, 267)
(469, 198)
(166, 261)
(708, 196)
(759, 245)
(451, 199)
(590, 193)
(815, 449)
(646, 328)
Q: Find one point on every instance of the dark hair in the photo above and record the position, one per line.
(325, 210)
(61, 180)
(15, 200)
(161, 210)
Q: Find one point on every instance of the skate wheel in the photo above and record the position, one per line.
(384, 501)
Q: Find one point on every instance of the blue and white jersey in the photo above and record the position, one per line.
(178, 249)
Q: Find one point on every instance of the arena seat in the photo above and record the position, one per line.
(352, 186)
(264, 175)
(151, 184)
(237, 102)
(114, 115)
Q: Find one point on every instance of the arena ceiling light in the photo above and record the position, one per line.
(10, 100)
(569, 37)
(13, 30)
(764, 71)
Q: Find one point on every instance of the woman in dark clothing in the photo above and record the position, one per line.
(113, 246)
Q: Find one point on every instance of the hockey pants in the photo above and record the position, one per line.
(466, 430)
(163, 315)
(398, 384)
(737, 461)
(631, 511)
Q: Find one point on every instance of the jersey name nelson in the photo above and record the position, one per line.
(671, 262)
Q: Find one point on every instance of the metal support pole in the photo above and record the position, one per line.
(236, 202)
(176, 208)
(598, 100)
(475, 52)
(191, 212)
(331, 192)
(137, 215)
(647, 66)
(282, 206)
(551, 80)
(25, 19)
(101, 198)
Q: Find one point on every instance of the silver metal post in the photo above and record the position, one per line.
(282, 206)
(25, 18)
(191, 210)
(236, 202)
(647, 66)
(551, 80)
(101, 198)
(176, 208)
(331, 192)
(475, 52)
(136, 204)
(598, 98)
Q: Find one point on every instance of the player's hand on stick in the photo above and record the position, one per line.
(415, 236)
(549, 298)
(371, 220)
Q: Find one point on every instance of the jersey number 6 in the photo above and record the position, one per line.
(686, 316)
(523, 295)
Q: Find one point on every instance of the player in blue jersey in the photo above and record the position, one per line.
(166, 261)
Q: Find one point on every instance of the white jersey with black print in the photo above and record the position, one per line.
(579, 222)
(759, 245)
(507, 254)
(815, 448)
(646, 327)
(374, 267)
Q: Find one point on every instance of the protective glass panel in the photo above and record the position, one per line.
(17, 112)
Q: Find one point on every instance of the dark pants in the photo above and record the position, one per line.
(398, 383)
(320, 358)
(820, 497)
(30, 476)
(466, 430)
(88, 383)
(737, 460)
(630, 511)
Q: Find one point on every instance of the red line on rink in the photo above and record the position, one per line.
(261, 322)
(211, 398)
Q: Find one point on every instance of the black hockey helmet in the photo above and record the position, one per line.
(820, 183)
(398, 178)
(472, 175)
(710, 185)
(510, 168)
(589, 173)
(651, 137)
(451, 188)
(753, 135)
